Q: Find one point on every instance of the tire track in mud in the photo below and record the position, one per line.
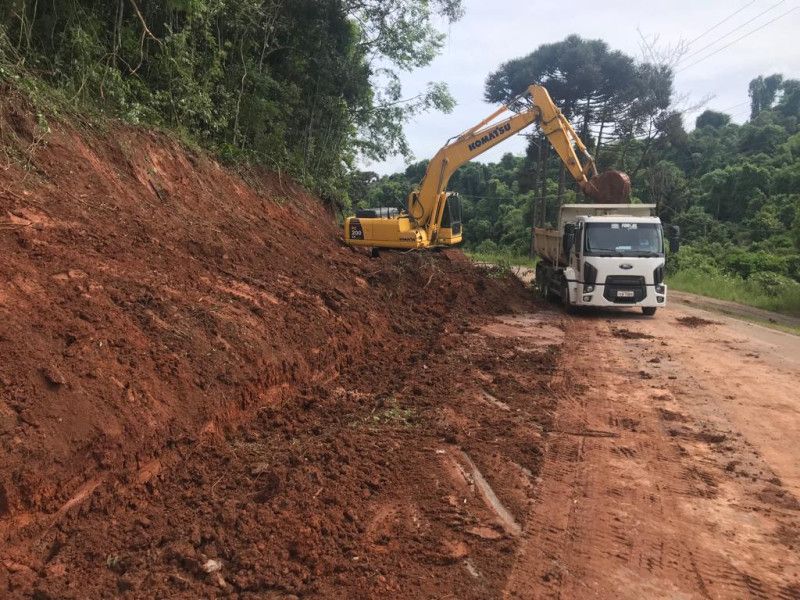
(637, 515)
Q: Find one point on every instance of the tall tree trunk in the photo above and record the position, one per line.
(543, 175)
(31, 24)
(600, 134)
(561, 180)
(117, 32)
(599, 143)
(587, 113)
(533, 197)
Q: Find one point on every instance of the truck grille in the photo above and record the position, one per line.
(624, 283)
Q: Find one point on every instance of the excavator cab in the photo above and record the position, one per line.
(450, 229)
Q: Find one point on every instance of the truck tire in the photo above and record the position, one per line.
(543, 283)
(550, 294)
(539, 280)
(649, 310)
(570, 309)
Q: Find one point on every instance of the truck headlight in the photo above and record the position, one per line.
(660, 288)
(588, 289)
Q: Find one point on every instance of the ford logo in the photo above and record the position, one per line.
(626, 266)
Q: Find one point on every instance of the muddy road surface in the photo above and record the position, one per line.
(672, 468)
(528, 455)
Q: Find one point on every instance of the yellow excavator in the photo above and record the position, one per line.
(433, 215)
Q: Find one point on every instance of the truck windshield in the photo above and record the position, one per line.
(624, 239)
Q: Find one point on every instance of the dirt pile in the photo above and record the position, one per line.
(692, 321)
(627, 334)
(171, 334)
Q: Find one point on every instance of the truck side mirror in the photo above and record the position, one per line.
(674, 237)
(569, 238)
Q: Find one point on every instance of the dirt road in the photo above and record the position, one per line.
(677, 472)
(533, 455)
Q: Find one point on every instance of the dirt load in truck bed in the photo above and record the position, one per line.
(203, 391)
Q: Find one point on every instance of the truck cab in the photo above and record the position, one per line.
(604, 256)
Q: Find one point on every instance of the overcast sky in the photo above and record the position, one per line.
(494, 31)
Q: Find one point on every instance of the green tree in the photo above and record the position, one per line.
(305, 86)
(714, 119)
(763, 91)
(730, 191)
(609, 97)
(789, 104)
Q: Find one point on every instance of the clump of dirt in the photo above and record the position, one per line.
(669, 415)
(204, 391)
(695, 322)
(711, 437)
(627, 334)
(788, 534)
(779, 497)
(701, 483)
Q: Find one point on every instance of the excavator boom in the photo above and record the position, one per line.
(433, 217)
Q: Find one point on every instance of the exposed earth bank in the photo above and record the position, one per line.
(194, 368)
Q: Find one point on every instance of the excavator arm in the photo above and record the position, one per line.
(425, 225)
(427, 204)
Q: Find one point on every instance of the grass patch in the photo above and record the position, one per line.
(389, 413)
(501, 259)
(785, 300)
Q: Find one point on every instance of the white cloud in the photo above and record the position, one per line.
(493, 32)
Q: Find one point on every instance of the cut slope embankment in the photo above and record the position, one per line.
(150, 297)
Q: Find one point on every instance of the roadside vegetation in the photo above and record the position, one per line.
(302, 87)
(753, 292)
(501, 258)
(745, 275)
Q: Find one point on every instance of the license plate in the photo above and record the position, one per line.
(625, 294)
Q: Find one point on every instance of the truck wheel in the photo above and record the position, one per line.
(570, 309)
(551, 294)
(543, 284)
(539, 280)
(649, 310)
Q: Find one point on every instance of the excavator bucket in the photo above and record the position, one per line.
(611, 187)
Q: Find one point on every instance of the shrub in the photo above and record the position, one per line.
(487, 247)
(772, 284)
(744, 263)
(692, 258)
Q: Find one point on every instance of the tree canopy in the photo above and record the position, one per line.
(605, 93)
(301, 85)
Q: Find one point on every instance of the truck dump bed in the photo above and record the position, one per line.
(547, 242)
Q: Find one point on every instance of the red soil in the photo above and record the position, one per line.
(193, 366)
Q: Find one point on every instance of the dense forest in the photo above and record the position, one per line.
(733, 189)
(302, 86)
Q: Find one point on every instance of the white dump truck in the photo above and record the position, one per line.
(604, 255)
